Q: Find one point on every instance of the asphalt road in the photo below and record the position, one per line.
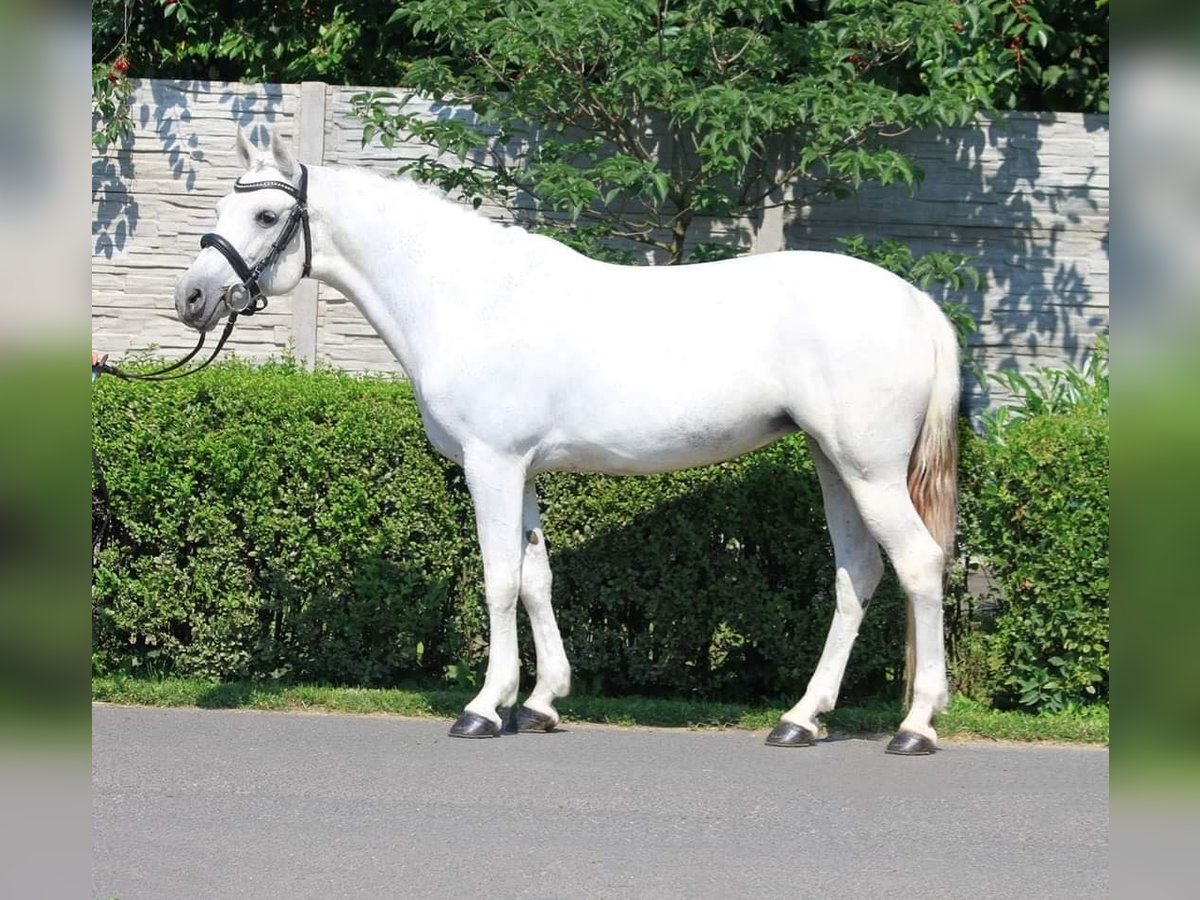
(198, 804)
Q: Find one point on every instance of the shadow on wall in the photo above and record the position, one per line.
(174, 114)
(1029, 200)
(116, 207)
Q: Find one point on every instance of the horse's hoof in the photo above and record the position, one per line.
(473, 725)
(532, 720)
(909, 743)
(789, 734)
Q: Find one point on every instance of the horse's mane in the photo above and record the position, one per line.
(433, 202)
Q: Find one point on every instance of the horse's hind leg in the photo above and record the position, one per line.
(553, 670)
(859, 568)
(496, 483)
(919, 562)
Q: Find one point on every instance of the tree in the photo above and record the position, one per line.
(651, 114)
(344, 42)
(1070, 72)
(339, 41)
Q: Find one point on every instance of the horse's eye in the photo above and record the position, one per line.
(266, 217)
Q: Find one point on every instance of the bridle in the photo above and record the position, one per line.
(245, 298)
(251, 298)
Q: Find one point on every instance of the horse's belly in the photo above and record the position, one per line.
(681, 445)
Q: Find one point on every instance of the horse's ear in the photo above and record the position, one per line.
(284, 161)
(246, 154)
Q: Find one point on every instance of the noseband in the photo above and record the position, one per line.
(248, 298)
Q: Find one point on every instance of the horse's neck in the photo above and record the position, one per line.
(384, 244)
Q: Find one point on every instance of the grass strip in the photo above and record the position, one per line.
(965, 718)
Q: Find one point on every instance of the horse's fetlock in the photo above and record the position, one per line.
(827, 701)
(560, 686)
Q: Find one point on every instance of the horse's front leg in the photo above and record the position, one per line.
(553, 670)
(496, 483)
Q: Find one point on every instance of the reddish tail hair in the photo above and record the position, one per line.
(933, 466)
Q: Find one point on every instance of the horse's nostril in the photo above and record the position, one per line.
(194, 297)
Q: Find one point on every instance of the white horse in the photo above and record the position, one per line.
(528, 357)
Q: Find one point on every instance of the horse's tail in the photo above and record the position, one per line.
(933, 466)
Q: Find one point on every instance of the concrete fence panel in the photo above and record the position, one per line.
(1026, 193)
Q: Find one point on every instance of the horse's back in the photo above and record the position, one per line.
(760, 321)
(623, 369)
(825, 295)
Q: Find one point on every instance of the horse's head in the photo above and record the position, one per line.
(260, 245)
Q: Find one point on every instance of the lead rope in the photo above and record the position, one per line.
(103, 367)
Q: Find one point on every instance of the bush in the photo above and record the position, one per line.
(274, 523)
(277, 523)
(1036, 511)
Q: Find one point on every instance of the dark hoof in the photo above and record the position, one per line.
(789, 734)
(909, 743)
(471, 725)
(532, 720)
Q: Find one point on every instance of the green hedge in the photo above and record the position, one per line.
(268, 522)
(273, 523)
(1036, 512)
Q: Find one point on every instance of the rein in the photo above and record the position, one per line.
(103, 367)
(247, 297)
